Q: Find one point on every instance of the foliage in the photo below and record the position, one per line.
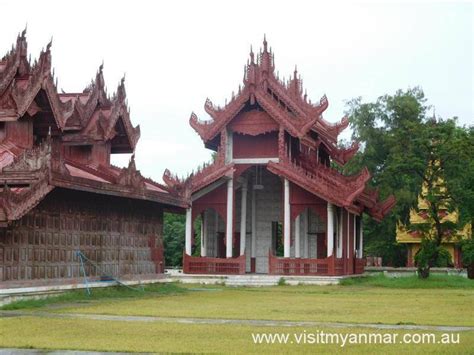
(431, 254)
(174, 230)
(467, 248)
(405, 150)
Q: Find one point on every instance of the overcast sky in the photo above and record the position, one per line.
(177, 53)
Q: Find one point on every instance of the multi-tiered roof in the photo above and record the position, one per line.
(33, 162)
(288, 110)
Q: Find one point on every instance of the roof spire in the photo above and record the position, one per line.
(48, 47)
(295, 73)
(251, 55)
(264, 42)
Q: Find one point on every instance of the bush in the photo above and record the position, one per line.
(467, 248)
(431, 254)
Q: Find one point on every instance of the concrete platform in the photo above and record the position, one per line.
(256, 280)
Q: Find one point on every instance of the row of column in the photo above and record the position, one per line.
(286, 224)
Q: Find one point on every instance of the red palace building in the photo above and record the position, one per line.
(59, 192)
(272, 202)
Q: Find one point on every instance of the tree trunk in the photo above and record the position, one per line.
(470, 271)
(424, 272)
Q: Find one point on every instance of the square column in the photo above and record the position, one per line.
(243, 218)
(254, 224)
(204, 234)
(287, 220)
(188, 231)
(297, 237)
(339, 233)
(361, 239)
(229, 218)
(305, 234)
(330, 229)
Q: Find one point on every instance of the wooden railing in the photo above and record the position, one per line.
(359, 266)
(305, 266)
(206, 265)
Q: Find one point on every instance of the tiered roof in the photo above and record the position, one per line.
(289, 106)
(29, 171)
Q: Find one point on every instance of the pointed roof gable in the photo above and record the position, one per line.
(284, 101)
(76, 113)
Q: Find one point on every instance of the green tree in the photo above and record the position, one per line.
(405, 150)
(384, 127)
(174, 230)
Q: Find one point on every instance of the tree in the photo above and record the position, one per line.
(384, 127)
(174, 230)
(405, 150)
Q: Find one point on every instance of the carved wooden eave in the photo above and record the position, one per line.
(381, 209)
(323, 182)
(38, 175)
(31, 170)
(204, 176)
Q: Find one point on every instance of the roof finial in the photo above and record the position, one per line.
(264, 42)
(101, 66)
(23, 33)
(48, 47)
(295, 73)
(251, 55)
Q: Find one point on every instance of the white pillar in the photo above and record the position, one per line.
(361, 238)
(229, 219)
(216, 234)
(355, 236)
(254, 225)
(188, 238)
(297, 238)
(204, 234)
(330, 229)
(243, 218)
(339, 234)
(287, 220)
(305, 233)
(348, 231)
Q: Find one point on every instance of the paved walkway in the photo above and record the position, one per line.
(266, 323)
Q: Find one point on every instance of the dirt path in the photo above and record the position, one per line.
(265, 323)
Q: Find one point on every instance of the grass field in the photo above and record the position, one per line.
(443, 300)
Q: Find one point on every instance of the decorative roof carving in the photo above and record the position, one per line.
(283, 100)
(82, 119)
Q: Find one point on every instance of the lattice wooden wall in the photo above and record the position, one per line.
(123, 236)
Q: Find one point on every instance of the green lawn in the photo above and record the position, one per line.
(80, 334)
(441, 301)
(358, 304)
